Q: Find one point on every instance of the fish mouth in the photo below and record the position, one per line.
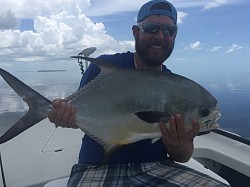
(212, 123)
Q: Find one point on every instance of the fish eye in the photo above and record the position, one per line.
(204, 112)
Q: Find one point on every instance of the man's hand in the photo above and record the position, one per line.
(62, 114)
(178, 142)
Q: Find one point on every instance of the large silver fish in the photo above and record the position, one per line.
(122, 106)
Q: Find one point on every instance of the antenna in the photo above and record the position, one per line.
(86, 53)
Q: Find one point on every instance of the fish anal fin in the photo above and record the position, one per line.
(153, 116)
(109, 149)
(108, 153)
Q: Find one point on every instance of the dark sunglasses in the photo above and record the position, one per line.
(152, 28)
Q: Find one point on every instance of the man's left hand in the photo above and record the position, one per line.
(179, 143)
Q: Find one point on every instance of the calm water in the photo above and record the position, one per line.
(231, 88)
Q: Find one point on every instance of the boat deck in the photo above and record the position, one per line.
(43, 153)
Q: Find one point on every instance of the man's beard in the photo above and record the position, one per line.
(147, 59)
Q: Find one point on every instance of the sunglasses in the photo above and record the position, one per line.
(152, 28)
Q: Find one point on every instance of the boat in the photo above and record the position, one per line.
(43, 155)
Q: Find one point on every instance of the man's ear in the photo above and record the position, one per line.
(135, 30)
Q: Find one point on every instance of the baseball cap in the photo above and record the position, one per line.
(148, 10)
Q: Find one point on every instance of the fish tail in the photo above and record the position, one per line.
(38, 106)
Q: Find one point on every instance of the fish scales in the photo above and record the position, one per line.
(115, 99)
(127, 92)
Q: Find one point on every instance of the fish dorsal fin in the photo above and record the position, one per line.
(153, 116)
(104, 65)
(107, 69)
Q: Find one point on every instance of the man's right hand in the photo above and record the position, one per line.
(62, 114)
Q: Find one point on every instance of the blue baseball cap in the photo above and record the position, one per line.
(147, 10)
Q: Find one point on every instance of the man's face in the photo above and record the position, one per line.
(154, 49)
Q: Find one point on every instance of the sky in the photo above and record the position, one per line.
(210, 31)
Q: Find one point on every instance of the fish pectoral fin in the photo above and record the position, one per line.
(153, 116)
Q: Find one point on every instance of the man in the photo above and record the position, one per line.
(141, 163)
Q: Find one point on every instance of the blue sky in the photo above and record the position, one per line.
(210, 31)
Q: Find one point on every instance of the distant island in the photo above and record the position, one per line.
(51, 70)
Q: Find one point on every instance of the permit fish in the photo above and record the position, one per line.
(121, 105)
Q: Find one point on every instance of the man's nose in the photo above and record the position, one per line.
(159, 34)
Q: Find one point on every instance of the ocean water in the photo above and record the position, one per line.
(231, 88)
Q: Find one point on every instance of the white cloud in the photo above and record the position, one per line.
(214, 4)
(191, 46)
(61, 30)
(63, 27)
(217, 48)
(195, 45)
(181, 16)
(218, 3)
(122, 6)
(214, 86)
(233, 48)
(8, 21)
(180, 59)
(31, 9)
(110, 7)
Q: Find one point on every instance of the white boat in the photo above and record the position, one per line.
(43, 156)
